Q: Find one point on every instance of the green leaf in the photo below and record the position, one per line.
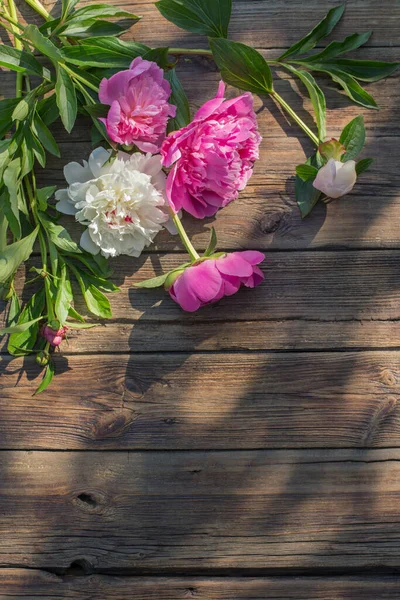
(48, 109)
(58, 234)
(21, 111)
(242, 66)
(22, 62)
(64, 296)
(96, 301)
(212, 244)
(41, 43)
(43, 133)
(86, 55)
(12, 218)
(97, 110)
(14, 311)
(68, 7)
(66, 99)
(365, 70)
(103, 11)
(348, 83)
(363, 165)
(320, 31)
(336, 48)
(47, 378)
(159, 56)
(179, 99)
(92, 28)
(207, 17)
(11, 181)
(73, 325)
(6, 110)
(15, 254)
(22, 343)
(154, 282)
(20, 327)
(317, 98)
(306, 194)
(306, 172)
(75, 315)
(353, 138)
(118, 48)
(43, 194)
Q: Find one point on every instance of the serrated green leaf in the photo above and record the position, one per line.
(66, 99)
(363, 165)
(47, 378)
(353, 138)
(336, 48)
(306, 194)
(321, 30)
(207, 17)
(179, 99)
(306, 172)
(58, 234)
(242, 66)
(317, 98)
(45, 136)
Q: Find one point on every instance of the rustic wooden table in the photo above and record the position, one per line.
(251, 450)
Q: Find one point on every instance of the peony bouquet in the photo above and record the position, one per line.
(152, 161)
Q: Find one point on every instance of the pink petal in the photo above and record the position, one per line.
(234, 264)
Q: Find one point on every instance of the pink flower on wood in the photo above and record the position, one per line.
(212, 279)
(213, 156)
(139, 105)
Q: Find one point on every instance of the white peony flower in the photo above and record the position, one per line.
(121, 201)
(336, 179)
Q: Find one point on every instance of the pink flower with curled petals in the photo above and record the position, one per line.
(210, 280)
(139, 111)
(213, 156)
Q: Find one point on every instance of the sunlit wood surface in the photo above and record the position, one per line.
(250, 451)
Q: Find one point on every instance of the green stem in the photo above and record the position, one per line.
(39, 8)
(295, 117)
(196, 52)
(184, 237)
(17, 44)
(79, 78)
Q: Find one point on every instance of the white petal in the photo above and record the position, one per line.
(97, 159)
(76, 173)
(88, 244)
(66, 207)
(152, 165)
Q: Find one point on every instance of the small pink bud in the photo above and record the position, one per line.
(53, 336)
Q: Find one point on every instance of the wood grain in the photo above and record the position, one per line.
(21, 584)
(200, 510)
(204, 401)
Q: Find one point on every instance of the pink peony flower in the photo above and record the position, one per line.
(53, 336)
(213, 155)
(212, 279)
(139, 105)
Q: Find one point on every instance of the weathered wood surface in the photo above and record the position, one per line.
(209, 444)
(160, 512)
(204, 401)
(22, 584)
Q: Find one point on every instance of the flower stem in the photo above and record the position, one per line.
(195, 51)
(184, 237)
(39, 8)
(17, 44)
(295, 117)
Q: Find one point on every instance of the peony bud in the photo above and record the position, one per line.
(42, 358)
(53, 336)
(336, 179)
(332, 149)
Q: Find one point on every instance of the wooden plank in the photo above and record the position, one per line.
(27, 584)
(200, 510)
(204, 401)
